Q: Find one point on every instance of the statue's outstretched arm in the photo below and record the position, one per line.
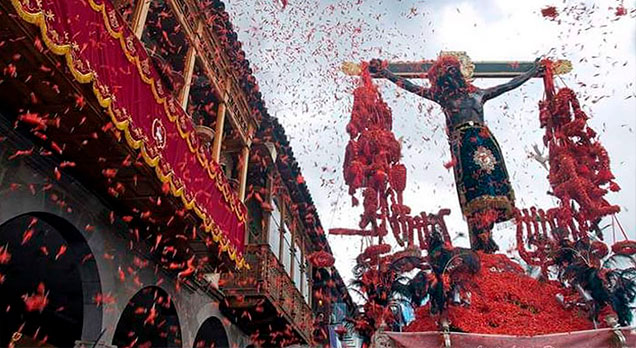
(495, 91)
(376, 68)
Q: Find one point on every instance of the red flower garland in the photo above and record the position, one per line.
(372, 157)
(579, 164)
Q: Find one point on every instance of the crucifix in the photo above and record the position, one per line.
(481, 178)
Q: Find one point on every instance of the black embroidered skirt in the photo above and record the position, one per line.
(480, 172)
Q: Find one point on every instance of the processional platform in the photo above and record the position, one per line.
(607, 337)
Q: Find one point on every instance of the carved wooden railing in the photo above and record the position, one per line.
(268, 279)
(213, 59)
(238, 107)
(215, 62)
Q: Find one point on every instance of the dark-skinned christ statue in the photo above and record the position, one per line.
(483, 185)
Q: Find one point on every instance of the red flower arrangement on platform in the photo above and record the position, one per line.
(501, 299)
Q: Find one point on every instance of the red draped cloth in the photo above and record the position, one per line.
(579, 339)
(100, 49)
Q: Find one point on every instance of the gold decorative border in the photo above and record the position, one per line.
(498, 202)
(106, 101)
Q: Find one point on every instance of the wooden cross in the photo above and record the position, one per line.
(469, 68)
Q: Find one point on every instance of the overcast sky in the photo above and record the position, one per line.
(296, 53)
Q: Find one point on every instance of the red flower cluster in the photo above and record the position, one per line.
(579, 164)
(372, 163)
(372, 157)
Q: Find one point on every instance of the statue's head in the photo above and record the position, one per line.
(445, 75)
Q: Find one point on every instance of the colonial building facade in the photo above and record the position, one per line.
(147, 198)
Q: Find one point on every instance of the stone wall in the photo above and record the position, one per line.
(24, 190)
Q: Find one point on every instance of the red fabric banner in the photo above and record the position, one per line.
(580, 339)
(100, 49)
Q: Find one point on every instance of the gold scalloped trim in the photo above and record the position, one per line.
(106, 102)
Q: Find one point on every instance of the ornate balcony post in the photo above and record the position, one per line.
(190, 60)
(189, 69)
(218, 139)
(245, 161)
(139, 17)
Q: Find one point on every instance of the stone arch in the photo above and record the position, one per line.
(49, 259)
(211, 334)
(149, 317)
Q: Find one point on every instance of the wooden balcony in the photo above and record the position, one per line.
(216, 63)
(266, 295)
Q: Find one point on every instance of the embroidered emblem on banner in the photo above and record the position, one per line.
(484, 158)
(159, 133)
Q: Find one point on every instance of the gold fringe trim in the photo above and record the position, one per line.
(495, 202)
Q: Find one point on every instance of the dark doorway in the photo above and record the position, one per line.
(43, 263)
(149, 320)
(211, 334)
